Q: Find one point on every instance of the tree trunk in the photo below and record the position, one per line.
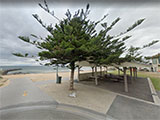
(72, 76)
(57, 73)
(78, 73)
(106, 70)
(100, 70)
(131, 74)
(96, 80)
(134, 73)
(92, 71)
(125, 80)
(103, 71)
(118, 72)
(72, 80)
(130, 71)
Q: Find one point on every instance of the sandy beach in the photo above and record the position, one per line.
(44, 76)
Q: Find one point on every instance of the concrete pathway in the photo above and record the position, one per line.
(158, 92)
(87, 96)
(124, 108)
(139, 88)
(23, 100)
(22, 90)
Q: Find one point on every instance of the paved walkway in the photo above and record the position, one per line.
(22, 90)
(139, 88)
(124, 108)
(87, 96)
(22, 100)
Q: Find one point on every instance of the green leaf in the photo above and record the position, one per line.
(18, 54)
(24, 38)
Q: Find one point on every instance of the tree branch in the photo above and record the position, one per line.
(46, 8)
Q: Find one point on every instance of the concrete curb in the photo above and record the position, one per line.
(31, 104)
(153, 92)
(79, 111)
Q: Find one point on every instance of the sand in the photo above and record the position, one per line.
(43, 76)
(4, 82)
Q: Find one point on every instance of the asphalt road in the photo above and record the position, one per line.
(124, 108)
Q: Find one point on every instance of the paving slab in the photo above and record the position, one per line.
(124, 108)
(22, 90)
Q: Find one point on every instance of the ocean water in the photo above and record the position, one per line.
(36, 69)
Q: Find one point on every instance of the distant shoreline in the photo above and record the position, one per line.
(36, 69)
(19, 73)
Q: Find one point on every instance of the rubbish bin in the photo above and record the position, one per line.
(59, 79)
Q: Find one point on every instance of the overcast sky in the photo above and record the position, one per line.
(16, 19)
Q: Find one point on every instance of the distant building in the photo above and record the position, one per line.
(156, 62)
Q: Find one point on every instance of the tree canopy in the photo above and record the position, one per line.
(75, 38)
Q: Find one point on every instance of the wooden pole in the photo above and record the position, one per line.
(130, 71)
(134, 73)
(92, 71)
(106, 70)
(125, 80)
(57, 73)
(78, 73)
(118, 71)
(131, 74)
(96, 80)
(100, 70)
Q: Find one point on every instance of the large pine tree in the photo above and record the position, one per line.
(75, 38)
(67, 40)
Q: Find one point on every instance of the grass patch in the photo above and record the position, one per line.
(156, 83)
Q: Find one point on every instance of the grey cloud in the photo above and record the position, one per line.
(80, 1)
(19, 21)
